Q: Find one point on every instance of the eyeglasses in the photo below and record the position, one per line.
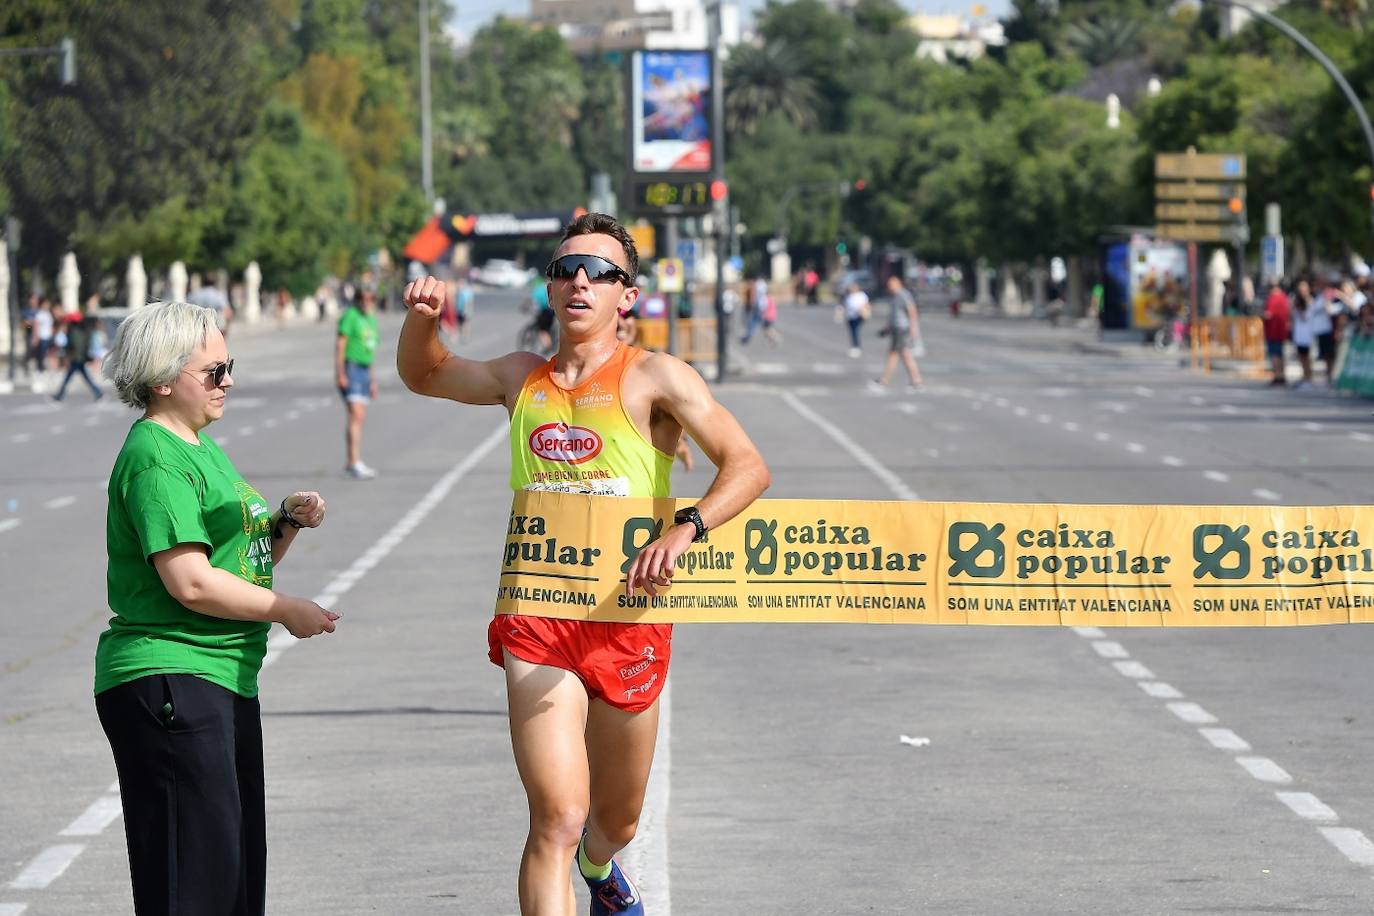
(598, 269)
(216, 373)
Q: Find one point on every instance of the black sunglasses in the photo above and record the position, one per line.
(598, 269)
(217, 372)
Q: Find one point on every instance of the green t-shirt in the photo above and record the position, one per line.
(360, 332)
(164, 492)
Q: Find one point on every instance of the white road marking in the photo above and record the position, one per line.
(1160, 690)
(1192, 713)
(96, 818)
(223, 439)
(905, 408)
(1002, 402)
(1218, 476)
(47, 866)
(246, 430)
(1362, 437)
(860, 454)
(1307, 806)
(1270, 495)
(1197, 401)
(1264, 769)
(828, 369)
(7, 523)
(1045, 418)
(1021, 411)
(21, 437)
(13, 909)
(269, 423)
(92, 421)
(1223, 739)
(1312, 427)
(1133, 669)
(1135, 447)
(1102, 437)
(1089, 632)
(60, 502)
(770, 368)
(1111, 650)
(293, 414)
(1071, 427)
(646, 859)
(1352, 843)
(1143, 391)
(1172, 461)
(1228, 408)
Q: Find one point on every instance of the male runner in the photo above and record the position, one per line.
(583, 696)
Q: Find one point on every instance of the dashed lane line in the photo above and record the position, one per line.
(1223, 739)
(1135, 447)
(47, 867)
(1352, 843)
(103, 812)
(1160, 690)
(1265, 770)
(1109, 649)
(7, 524)
(1307, 806)
(1217, 476)
(1192, 713)
(60, 502)
(1262, 493)
(1172, 461)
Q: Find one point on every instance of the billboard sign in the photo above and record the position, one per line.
(670, 106)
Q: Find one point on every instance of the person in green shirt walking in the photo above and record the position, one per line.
(191, 547)
(354, 349)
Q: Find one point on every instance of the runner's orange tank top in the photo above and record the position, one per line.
(582, 440)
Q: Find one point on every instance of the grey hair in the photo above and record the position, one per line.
(152, 346)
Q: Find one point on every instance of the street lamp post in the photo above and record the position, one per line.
(426, 141)
(722, 221)
(1313, 51)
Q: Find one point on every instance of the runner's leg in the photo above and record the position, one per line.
(548, 717)
(620, 749)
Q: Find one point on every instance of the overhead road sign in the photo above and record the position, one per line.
(1200, 166)
(1196, 190)
(1192, 212)
(1203, 232)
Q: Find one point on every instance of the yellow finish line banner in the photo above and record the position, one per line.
(851, 561)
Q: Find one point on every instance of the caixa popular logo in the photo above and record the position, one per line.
(568, 444)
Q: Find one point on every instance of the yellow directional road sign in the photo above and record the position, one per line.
(1198, 232)
(1195, 213)
(1204, 166)
(1190, 190)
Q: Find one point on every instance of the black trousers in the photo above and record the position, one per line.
(189, 758)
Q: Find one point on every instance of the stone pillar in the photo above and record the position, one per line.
(136, 283)
(1038, 285)
(982, 278)
(176, 282)
(252, 293)
(1011, 294)
(309, 309)
(69, 284)
(1218, 272)
(329, 303)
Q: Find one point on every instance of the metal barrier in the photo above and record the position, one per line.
(1231, 337)
(696, 337)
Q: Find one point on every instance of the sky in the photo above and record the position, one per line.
(473, 14)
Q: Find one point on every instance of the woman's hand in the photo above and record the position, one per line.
(306, 507)
(305, 619)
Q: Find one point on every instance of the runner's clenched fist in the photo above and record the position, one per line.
(426, 296)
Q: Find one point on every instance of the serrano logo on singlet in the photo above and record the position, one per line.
(561, 442)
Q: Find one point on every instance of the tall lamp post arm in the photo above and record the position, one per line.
(1316, 53)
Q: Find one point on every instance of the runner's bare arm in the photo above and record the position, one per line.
(428, 367)
(741, 474)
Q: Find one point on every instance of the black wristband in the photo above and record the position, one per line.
(286, 517)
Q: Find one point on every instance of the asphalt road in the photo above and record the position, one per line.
(1062, 771)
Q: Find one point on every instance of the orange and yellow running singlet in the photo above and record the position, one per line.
(582, 440)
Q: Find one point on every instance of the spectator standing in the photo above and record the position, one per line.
(1305, 329)
(191, 548)
(354, 349)
(754, 308)
(1277, 327)
(44, 330)
(462, 304)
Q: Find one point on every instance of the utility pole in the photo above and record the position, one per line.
(721, 213)
(426, 140)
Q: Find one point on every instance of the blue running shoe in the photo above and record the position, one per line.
(615, 895)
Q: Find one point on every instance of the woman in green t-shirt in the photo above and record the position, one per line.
(191, 547)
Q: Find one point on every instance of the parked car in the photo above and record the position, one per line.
(498, 272)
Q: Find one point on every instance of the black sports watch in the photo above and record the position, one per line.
(691, 515)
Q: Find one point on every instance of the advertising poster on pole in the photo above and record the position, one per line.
(671, 111)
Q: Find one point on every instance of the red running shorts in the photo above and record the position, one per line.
(622, 664)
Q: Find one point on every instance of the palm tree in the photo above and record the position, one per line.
(1102, 40)
(761, 80)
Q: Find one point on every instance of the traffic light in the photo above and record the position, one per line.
(841, 248)
(719, 190)
(860, 184)
(1236, 205)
